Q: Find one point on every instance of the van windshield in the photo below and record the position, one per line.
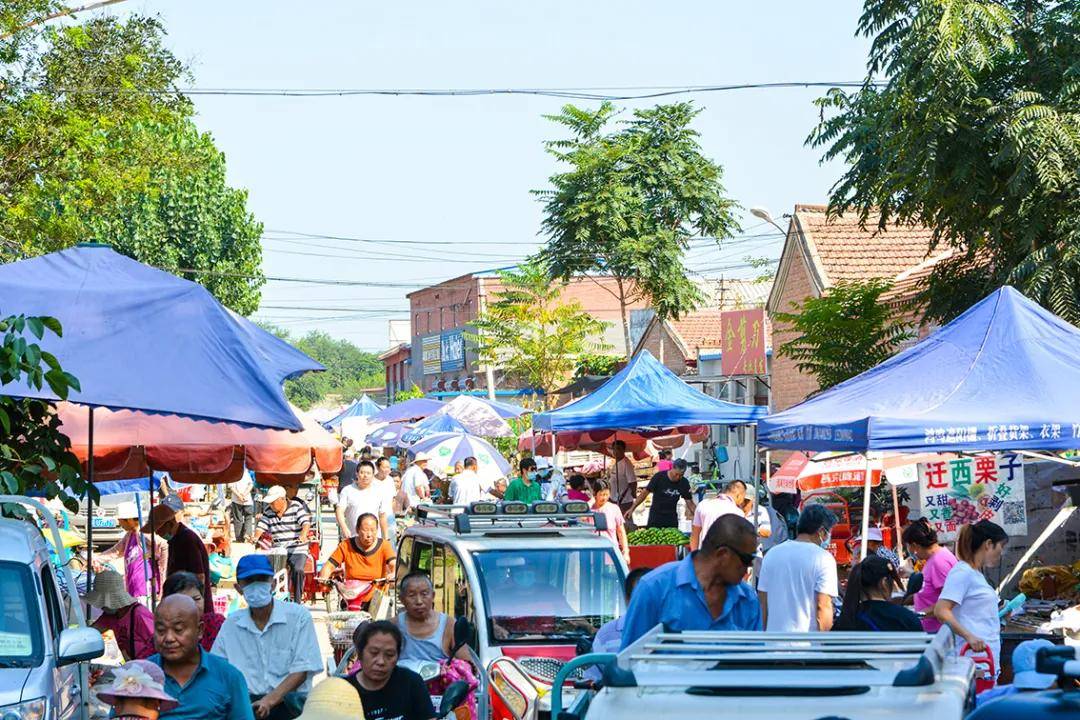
(552, 595)
(20, 621)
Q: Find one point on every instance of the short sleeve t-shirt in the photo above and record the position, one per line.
(284, 529)
(518, 490)
(404, 697)
(882, 616)
(976, 604)
(710, 510)
(792, 575)
(615, 520)
(356, 502)
(361, 565)
(665, 499)
(934, 573)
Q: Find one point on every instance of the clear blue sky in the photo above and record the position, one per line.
(459, 170)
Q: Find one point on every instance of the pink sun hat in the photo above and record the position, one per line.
(137, 678)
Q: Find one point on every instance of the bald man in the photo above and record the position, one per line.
(206, 686)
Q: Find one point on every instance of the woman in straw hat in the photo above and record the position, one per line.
(333, 699)
(137, 692)
(131, 623)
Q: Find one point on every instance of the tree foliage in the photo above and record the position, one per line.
(34, 454)
(98, 144)
(843, 333)
(976, 134)
(597, 364)
(349, 370)
(531, 333)
(629, 203)
(411, 394)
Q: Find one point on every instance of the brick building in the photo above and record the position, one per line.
(397, 362)
(441, 355)
(820, 251)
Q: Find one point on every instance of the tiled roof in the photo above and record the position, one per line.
(846, 251)
(700, 328)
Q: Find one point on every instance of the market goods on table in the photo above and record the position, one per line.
(657, 536)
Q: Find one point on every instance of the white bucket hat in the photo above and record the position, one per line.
(127, 511)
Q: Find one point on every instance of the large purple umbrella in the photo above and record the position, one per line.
(407, 410)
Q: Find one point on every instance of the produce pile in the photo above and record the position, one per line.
(657, 536)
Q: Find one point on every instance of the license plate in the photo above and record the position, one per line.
(103, 523)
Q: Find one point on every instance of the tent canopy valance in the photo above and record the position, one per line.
(1005, 375)
(645, 395)
(130, 444)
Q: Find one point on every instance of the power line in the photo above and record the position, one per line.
(644, 92)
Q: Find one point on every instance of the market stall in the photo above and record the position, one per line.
(998, 384)
(645, 398)
(139, 338)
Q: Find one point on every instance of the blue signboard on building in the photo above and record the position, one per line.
(453, 351)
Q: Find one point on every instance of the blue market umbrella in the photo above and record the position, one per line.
(407, 410)
(446, 449)
(138, 338)
(438, 423)
(387, 436)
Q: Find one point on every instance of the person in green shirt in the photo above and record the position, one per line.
(525, 487)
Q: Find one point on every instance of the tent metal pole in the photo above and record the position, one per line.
(866, 511)
(90, 502)
(896, 521)
(153, 544)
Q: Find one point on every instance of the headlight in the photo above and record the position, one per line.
(29, 710)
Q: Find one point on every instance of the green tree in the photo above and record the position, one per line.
(598, 364)
(630, 202)
(349, 370)
(974, 133)
(34, 453)
(99, 145)
(530, 332)
(410, 394)
(843, 333)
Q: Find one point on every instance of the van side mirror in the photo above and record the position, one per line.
(464, 631)
(454, 696)
(79, 644)
(914, 584)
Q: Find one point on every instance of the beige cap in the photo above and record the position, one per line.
(273, 494)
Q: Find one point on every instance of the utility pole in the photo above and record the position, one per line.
(481, 305)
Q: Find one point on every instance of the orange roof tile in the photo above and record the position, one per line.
(700, 328)
(847, 252)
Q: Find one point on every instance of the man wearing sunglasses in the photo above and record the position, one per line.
(704, 591)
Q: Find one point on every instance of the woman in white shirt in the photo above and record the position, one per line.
(968, 604)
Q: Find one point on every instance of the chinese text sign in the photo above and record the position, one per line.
(968, 489)
(743, 342)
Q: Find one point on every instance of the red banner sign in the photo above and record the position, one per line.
(743, 342)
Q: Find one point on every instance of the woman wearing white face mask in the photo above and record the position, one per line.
(272, 643)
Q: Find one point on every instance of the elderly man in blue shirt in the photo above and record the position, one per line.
(205, 687)
(272, 643)
(704, 591)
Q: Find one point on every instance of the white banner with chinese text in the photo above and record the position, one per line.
(968, 489)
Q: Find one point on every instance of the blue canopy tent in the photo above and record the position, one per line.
(642, 396)
(1005, 375)
(407, 410)
(365, 407)
(138, 338)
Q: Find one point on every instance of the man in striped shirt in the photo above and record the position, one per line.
(286, 525)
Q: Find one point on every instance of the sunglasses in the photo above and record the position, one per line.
(747, 559)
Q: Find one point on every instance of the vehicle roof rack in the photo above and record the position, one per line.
(492, 518)
(782, 660)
